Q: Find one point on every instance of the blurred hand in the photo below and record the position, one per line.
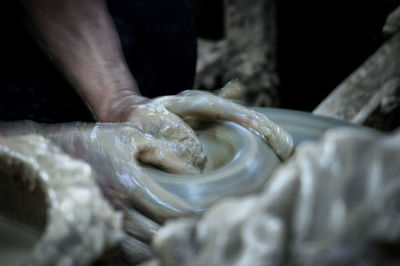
(113, 151)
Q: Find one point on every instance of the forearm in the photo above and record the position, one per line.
(80, 37)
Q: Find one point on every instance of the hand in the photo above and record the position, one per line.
(164, 117)
(112, 150)
(156, 135)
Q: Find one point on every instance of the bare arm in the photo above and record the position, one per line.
(80, 37)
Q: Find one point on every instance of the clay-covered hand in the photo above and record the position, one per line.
(112, 150)
(157, 134)
(164, 117)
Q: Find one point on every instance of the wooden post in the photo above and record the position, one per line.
(371, 94)
(248, 52)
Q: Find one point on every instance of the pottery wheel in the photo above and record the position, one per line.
(239, 161)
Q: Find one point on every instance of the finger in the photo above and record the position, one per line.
(190, 149)
(137, 189)
(138, 225)
(169, 156)
(154, 119)
(233, 91)
(122, 179)
(134, 251)
(208, 106)
(173, 127)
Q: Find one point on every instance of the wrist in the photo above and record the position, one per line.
(119, 106)
(108, 91)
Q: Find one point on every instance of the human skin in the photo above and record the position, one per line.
(81, 39)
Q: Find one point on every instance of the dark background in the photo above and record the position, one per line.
(319, 42)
